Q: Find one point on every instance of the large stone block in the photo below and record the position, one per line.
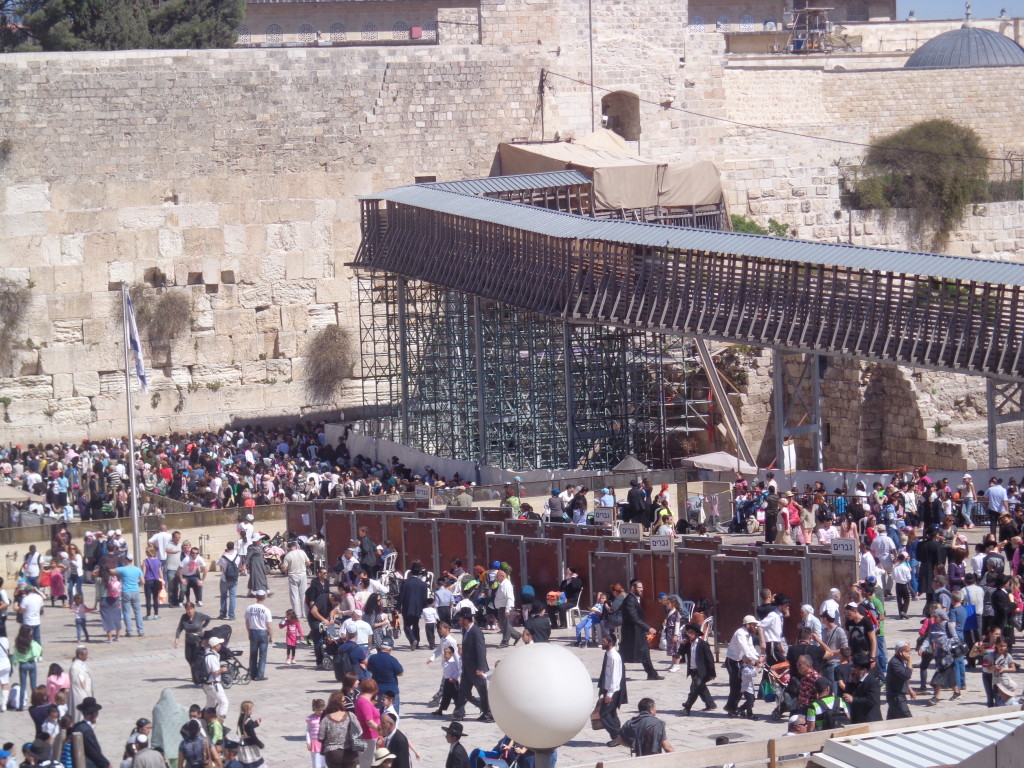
(294, 318)
(57, 360)
(85, 383)
(235, 321)
(27, 198)
(295, 292)
(148, 217)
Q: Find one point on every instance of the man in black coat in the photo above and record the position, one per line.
(700, 668)
(90, 710)
(457, 757)
(634, 647)
(636, 504)
(865, 691)
(396, 742)
(412, 599)
(538, 625)
(474, 666)
(931, 552)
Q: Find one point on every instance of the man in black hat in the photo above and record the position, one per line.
(474, 667)
(90, 710)
(636, 503)
(457, 757)
(865, 691)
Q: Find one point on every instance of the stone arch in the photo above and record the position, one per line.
(369, 31)
(339, 33)
(400, 31)
(307, 33)
(242, 36)
(620, 112)
(275, 34)
(697, 24)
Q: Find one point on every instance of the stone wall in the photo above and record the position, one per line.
(235, 174)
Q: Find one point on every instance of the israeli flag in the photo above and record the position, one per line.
(133, 339)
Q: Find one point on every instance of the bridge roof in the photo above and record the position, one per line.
(570, 226)
(523, 181)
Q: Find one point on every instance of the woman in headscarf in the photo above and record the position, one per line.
(257, 568)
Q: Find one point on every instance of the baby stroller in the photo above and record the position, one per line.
(330, 639)
(236, 671)
(779, 685)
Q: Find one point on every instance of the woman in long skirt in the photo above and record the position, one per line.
(257, 569)
(110, 607)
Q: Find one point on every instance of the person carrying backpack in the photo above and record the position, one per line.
(228, 565)
(645, 733)
(827, 711)
(209, 668)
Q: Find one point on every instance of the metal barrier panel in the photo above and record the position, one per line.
(785, 574)
(825, 571)
(478, 530)
(425, 513)
(505, 548)
(463, 513)
(524, 528)
(694, 577)
(393, 525)
(453, 540)
(359, 505)
(607, 568)
(418, 544)
(495, 514)
(558, 530)
(374, 522)
(577, 555)
(300, 517)
(339, 531)
(544, 566)
(699, 542)
(657, 572)
(613, 544)
(735, 591)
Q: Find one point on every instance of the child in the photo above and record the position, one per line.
(451, 671)
(750, 677)
(293, 633)
(313, 732)
(214, 727)
(592, 619)
(430, 620)
(231, 754)
(80, 609)
(61, 700)
(58, 588)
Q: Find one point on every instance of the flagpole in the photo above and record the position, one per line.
(133, 498)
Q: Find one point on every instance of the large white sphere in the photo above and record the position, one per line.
(541, 695)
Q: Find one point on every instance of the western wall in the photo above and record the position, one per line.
(233, 173)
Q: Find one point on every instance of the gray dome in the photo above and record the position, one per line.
(967, 47)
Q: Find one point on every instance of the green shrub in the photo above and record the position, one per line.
(751, 227)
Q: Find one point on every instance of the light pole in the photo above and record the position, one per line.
(541, 695)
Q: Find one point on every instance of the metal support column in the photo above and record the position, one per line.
(804, 411)
(403, 353)
(1005, 405)
(478, 359)
(570, 407)
(723, 400)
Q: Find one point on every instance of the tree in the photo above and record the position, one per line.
(196, 23)
(88, 25)
(935, 168)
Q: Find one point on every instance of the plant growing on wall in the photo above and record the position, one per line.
(14, 301)
(935, 169)
(160, 313)
(330, 358)
(751, 227)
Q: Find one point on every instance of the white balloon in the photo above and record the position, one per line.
(541, 695)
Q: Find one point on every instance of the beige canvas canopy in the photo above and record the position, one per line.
(620, 180)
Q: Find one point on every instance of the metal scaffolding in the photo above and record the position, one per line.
(463, 377)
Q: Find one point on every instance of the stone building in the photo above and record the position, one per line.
(229, 177)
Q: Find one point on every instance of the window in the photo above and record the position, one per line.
(430, 30)
(723, 24)
(746, 23)
(425, 179)
(697, 24)
(368, 32)
(242, 36)
(621, 113)
(400, 31)
(307, 34)
(857, 12)
(275, 34)
(338, 33)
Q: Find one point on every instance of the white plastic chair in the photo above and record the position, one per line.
(686, 609)
(575, 610)
(389, 563)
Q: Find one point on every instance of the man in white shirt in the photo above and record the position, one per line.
(357, 624)
(31, 610)
(444, 631)
(771, 630)
(171, 567)
(246, 534)
(831, 604)
(901, 576)
(826, 533)
(212, 686)
(741, 649)
(259, 622)
(866, 564)
(884, 550)
(191, 575)
(611, 688)
(295, 564)
(504, 602)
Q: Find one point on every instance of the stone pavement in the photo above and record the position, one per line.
(129, 676)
